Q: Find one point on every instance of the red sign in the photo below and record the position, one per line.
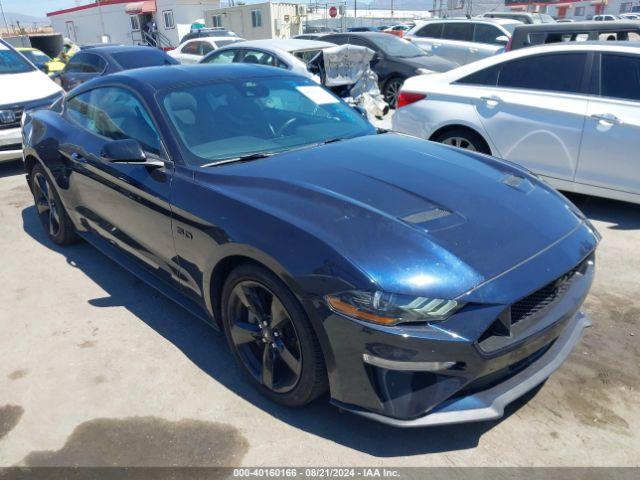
(333, 12)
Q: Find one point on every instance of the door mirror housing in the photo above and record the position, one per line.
(502, 39)
(127, 151)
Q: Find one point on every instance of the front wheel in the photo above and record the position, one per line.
(271, 337)
(51, 212)
(463, 138)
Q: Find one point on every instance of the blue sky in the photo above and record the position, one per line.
(38, 8)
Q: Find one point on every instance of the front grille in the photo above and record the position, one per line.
(8, 148)
(541, 299)
(512, 322)
(17, 111)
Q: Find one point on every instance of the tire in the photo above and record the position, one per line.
(391, 91)
(463, 138)
(51, 212)
(286, 339)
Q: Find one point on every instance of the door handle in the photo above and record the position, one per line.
(606, 118)
(491, 101)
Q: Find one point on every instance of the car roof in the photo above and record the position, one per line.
(606, 46)
(214, 38)
(286, 44)
(572, 27)
(111, 49)
(499, 21)
(157, 78)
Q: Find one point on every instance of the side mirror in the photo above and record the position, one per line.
(502, 39)
(126, 151)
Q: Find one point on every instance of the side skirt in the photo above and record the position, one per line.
(131, 266)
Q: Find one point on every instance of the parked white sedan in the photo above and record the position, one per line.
(568, 112)
(291, 54)
(192, 51)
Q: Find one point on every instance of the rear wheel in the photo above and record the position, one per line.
(271, 337)
(463, 138)
(51, 212)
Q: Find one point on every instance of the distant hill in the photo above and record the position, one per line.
(25, 20)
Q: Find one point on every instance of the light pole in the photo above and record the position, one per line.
(6, 25)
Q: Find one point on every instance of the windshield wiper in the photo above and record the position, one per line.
(242, 158)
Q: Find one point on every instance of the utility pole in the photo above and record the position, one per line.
(6, 25)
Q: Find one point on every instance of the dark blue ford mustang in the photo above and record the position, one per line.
(419, 283)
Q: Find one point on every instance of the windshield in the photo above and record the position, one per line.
(12, 62)
(396, 47)
(139, 58)
(224, 120)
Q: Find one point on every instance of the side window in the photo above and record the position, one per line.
(557, 73)
(458, 31)
(338, 39)
(205, 47)
(487, 77)
(116, 114)
(225, 56)
(262, 58)
(85, 63)
(354, 40)
(190, 48)
(486, 34)
(431, 30)
(620, 76)
(94, 64)
(75, 64)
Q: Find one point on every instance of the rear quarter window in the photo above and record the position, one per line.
(142, 58)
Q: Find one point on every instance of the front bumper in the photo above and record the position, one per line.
(10, 144)
(466, 368)
(490, 404)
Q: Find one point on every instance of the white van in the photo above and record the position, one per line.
(22, 87)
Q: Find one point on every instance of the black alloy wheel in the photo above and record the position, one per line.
(46, 204)
(50, 209)
(265, 337)
(271, 337)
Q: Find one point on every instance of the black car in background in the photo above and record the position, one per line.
(395, 59)
(96, 62)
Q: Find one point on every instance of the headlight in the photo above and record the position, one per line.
(423, 71)
(390, 309)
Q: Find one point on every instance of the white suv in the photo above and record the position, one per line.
(22, 87)
(568, 112)
(465, 40)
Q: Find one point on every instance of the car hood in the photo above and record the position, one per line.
(414, 216)
(431, 62)
(24, 87)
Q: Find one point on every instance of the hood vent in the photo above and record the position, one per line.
(426, 215)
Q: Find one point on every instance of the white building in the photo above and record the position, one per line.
(125, 21)
(259, 20)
